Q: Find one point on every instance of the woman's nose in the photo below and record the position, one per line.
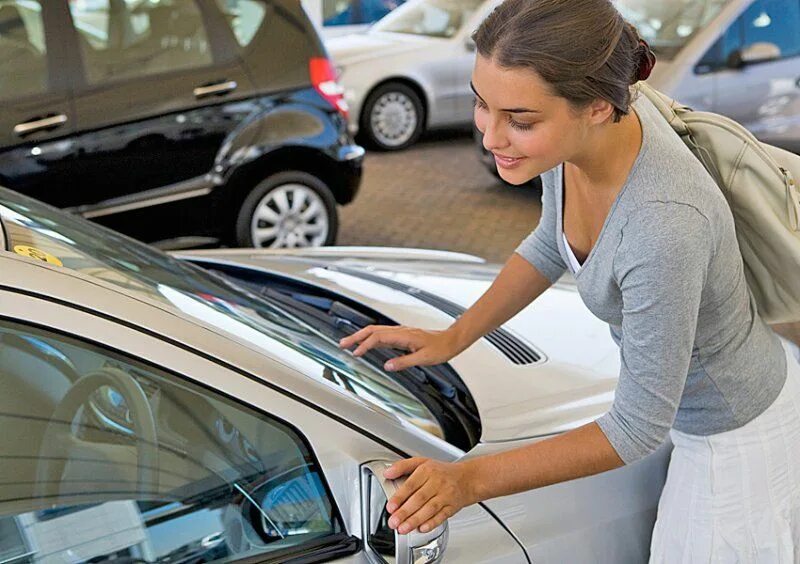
(493, 137)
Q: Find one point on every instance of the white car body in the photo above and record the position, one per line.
(64, 288)
(439, 68)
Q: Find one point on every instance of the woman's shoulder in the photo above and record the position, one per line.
(669, 171)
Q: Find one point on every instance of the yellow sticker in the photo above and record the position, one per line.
(37, 254)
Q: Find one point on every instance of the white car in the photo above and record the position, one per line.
(156, 411)
(410, 71)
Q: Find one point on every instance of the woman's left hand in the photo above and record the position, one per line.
(433, 493)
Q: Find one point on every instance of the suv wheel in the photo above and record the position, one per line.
(288, 210)
(393, 117)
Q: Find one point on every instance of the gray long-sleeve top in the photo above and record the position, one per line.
(667, 276)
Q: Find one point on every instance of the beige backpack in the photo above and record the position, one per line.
(758, 182)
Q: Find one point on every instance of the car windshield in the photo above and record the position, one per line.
(45, 233)
(432, 18)
(668, 26)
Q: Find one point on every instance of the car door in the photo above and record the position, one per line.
(36, 150)
(123, 444)
(161, 87)
(764, 96)
(464, 61)
(451, 70)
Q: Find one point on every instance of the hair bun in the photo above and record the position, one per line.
(647, 60)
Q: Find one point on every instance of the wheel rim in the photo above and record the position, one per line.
(290, 216)
(393, 119)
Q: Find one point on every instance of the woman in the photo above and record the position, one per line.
(651, 243)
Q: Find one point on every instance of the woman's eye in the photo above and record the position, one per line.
(478, 104)
(520, 126)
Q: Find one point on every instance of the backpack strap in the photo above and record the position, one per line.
(669, 108)
(673, 112)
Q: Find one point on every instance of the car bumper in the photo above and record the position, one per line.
(350, 159)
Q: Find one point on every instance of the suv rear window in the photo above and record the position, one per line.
(244, 17)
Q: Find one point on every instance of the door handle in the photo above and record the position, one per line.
(215, 89)
(49, 122)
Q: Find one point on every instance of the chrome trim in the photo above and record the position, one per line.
(39, 124)
(192, 188)
(186, 242)
(18, 557)
(215, 89)
(352, 152)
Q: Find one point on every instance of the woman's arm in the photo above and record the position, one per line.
(437, 490)
(516, 286)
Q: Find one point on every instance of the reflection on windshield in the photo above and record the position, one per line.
(118, 260)
(668, 26)
(432, 18)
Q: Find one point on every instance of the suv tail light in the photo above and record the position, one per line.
(323, 78)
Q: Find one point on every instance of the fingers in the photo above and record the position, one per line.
(360, 335)
(418, 509)
(426, 511)
(403, 467)
(444, 514)
(391, 337)
(406, 361)
(409, 487)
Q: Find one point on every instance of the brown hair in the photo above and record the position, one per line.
(584, 49)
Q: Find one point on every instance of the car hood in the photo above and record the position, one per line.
(571, 384)
(357, 47)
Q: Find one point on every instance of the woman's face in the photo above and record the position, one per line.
(528, 129)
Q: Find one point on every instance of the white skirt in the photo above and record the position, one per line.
(735, 496)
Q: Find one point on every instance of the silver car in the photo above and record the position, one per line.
(410, 71)
(155, 410)
(740, 58)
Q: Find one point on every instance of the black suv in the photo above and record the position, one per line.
(181, 122)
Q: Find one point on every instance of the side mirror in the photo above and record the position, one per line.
(382, 544)
(755, 53)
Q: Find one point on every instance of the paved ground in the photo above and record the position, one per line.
(438, 195)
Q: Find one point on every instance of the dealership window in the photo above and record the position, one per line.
(127, 38)
(23, 64)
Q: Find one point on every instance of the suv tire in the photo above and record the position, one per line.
(393, 117)
(286, 210)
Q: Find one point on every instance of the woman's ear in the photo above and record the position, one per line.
(599, 111)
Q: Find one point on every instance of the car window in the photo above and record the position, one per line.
(244, 17)
(773, 21)
(432, 18)
(105, 458)
(23, 54)
(356, 12)
(36, 230)
(128, 38)
(717, 56)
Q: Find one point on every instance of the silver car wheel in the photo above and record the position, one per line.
(393, 119)
(290, 215)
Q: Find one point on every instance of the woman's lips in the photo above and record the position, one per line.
(507, 162)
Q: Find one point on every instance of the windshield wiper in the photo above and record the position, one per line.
(349, 320)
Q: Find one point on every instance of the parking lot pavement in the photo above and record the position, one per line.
(437, 195)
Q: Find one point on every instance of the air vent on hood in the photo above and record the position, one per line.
(511, 346)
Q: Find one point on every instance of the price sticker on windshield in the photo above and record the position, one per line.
(37, 254)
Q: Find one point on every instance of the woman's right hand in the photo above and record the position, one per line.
(425, 347)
